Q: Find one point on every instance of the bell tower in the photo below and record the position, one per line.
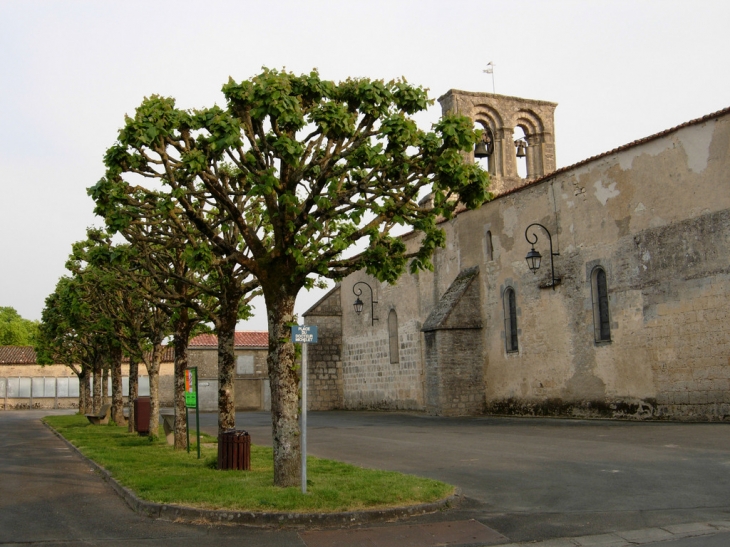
(499, 116)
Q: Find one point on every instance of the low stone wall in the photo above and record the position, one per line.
(38, 403)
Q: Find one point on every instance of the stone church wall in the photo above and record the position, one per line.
(324, 359)
(372, 382)
(654, 215)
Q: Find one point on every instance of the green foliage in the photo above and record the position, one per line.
(280, 187)
(73, 328)
(302, 170)
(156, 472)
(16, 331)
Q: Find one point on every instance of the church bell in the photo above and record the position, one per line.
(521, 148)
(480, 150)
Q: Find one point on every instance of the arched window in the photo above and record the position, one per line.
(489, 247)
(601, 317)
(484, 149)
(510, 320)
(393, 337)
(523, 166)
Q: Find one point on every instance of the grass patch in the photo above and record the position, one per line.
(158, 473)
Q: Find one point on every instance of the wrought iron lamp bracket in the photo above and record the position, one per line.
(358, 303)
(533, 257)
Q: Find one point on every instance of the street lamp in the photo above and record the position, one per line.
(533, 257)
(359, 303)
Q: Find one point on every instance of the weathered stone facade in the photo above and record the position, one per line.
(498, 116)
(650, 219)
(324, 362)
(454, 386)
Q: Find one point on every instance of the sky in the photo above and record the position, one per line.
(70, 71)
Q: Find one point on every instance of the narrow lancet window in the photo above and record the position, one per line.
(393, 337)
(510, 320)
(601, 317)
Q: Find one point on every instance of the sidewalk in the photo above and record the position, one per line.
(646, 536)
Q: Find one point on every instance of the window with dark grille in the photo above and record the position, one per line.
(393, 337)
(601, 317)
(510, 319)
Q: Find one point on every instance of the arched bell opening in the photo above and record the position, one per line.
(521, 152)
(484, 149)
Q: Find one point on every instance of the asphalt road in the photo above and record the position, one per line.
(51, 497)
(538, 478)
(527, 479)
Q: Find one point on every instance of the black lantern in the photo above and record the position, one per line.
(533, 257)
(358, 305)
(533, 260)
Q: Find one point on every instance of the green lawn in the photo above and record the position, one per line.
(157, 473)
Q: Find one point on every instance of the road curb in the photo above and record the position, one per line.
(192, 515)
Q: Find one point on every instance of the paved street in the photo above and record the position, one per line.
(525, 479)
(50, 497)
(539, 478)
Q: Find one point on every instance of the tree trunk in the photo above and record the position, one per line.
(180, 342)
(226, 332)
(96, 402)
(133, 390)
(117, 394)
(85, 402)
(284, 379)
(153, 370)
(105, 385)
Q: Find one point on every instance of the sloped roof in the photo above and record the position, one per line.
(168, 355)
(532, 182)
(17, 355)
(439, 317)
(243, 339)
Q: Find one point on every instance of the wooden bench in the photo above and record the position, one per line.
(101, 417)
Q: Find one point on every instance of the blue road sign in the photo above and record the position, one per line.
(304, 335)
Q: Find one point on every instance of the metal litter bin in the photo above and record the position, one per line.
(142, 411)
(234, 450)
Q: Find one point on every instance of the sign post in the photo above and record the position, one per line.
(304, 335)
(191, 401)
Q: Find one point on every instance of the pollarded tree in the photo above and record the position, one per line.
(74, 333)
(58, 342)
(112, 275)
(306, 170)
(193, 283)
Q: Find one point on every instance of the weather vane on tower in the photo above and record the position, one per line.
(490, 70)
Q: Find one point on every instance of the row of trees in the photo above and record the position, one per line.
(264, 196)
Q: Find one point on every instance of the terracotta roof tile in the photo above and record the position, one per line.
(17, 355)
(168, 355)
(243, 339)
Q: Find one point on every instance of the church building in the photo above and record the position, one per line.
(601, 289)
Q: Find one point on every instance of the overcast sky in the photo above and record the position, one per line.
(71, 70)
